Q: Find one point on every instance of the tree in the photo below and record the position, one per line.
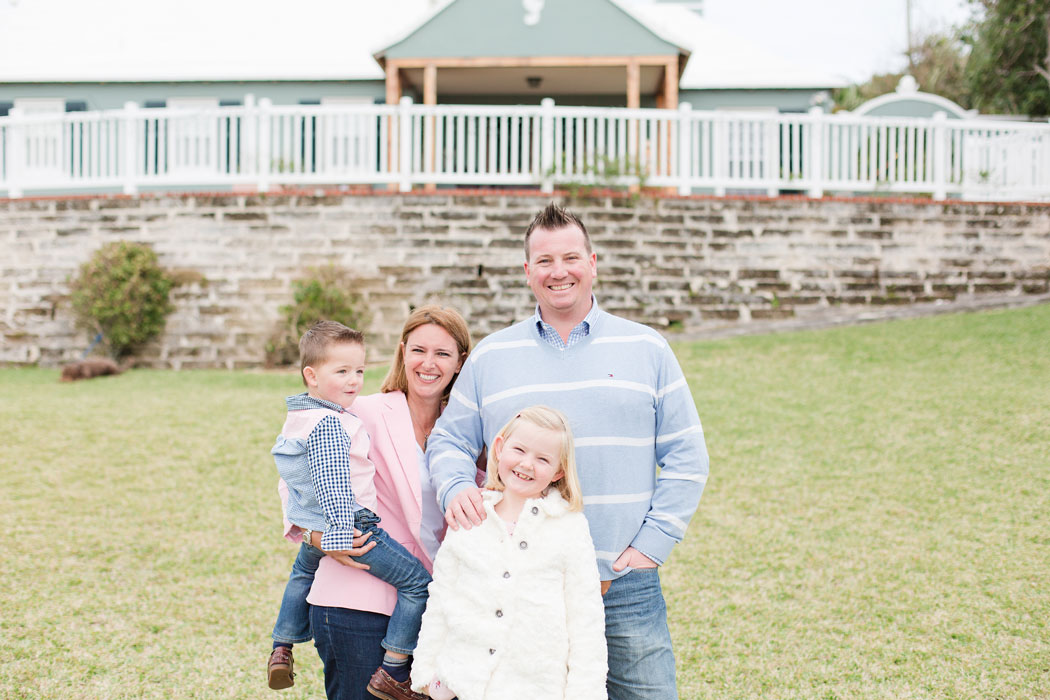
(1009, 67)
(938, 64)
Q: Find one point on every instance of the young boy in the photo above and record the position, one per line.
(321, 454)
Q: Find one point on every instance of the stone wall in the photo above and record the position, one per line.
(674, 263)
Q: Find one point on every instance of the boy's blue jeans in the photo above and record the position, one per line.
(389, 561)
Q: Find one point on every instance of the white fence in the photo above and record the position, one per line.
(262, 146)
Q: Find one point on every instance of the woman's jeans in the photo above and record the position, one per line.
(641, 661)
(348, 642)
(388, 561)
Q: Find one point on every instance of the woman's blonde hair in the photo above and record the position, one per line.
(447, 318)
(548, 419)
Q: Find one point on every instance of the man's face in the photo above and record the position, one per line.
(560, 272)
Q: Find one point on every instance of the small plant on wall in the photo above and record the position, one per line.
(326, 293)
(121, 294)
(605, 173)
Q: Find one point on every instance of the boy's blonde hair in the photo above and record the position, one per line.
(548, 419)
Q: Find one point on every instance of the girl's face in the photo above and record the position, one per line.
(529, 459)
(431, 360)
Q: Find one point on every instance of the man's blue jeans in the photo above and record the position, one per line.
(389, 561)
(641, 662)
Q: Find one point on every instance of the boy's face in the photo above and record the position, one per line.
(338, 379)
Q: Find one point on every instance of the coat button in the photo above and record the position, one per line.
(535, 510)
(523, 545)
(499, 613)
(506, 574)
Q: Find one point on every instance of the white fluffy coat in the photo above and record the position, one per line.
(507, 621)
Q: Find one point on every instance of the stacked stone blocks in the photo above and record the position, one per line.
(674, 263)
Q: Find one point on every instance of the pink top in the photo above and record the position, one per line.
(399, 505)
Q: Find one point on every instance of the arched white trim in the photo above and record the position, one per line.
(942, 103)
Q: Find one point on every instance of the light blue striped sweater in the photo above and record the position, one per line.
(630, 409)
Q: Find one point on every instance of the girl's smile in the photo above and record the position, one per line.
(529, 460)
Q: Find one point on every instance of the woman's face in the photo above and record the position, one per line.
(432, 360)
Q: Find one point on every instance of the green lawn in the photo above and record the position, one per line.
(876, 524)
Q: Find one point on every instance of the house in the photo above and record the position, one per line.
(195, 53)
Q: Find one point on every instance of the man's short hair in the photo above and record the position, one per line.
(314, 345)
(554, 217)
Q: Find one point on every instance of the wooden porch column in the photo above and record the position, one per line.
(670, 101)
(393, 97)
(393, 83)
(670, 91)
(634, 84)
(634, 101)
(430, 98)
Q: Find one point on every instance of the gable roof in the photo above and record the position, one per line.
(505, 28)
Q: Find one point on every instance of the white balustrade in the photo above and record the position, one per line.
(264, 145)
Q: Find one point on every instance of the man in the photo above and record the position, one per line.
(631, 413)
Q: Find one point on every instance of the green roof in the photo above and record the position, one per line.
(497, 28)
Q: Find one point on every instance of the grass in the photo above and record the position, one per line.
(876, 524)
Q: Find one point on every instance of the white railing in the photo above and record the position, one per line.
(405, 145)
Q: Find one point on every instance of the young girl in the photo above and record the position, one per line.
(515, 607)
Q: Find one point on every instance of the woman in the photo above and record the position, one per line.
(350, 608)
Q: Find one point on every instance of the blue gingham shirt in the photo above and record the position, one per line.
(581, 331)
(327, 459)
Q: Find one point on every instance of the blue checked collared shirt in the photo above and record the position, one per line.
(326, 457)
(581, 331)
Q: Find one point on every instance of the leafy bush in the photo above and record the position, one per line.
(122, 294)
(326, 294)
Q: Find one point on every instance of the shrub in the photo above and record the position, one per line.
(327, 293)
(122, 294)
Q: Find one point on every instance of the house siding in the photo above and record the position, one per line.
(114, 95)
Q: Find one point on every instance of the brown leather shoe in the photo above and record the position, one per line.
(279, 669)
(383, 686)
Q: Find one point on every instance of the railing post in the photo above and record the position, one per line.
(685, 147)
(771, 144)
(249, 155)
(265, 166)
(404, 144)
(719, 153)
(547, 145)
(15, 154)
(130, 144)
(815, 167)
(940, 155)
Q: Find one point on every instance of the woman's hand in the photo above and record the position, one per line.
(346, 556)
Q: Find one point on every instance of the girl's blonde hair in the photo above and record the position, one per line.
(548, 419)
(443, 317)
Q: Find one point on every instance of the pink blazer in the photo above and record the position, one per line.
(393, 450)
